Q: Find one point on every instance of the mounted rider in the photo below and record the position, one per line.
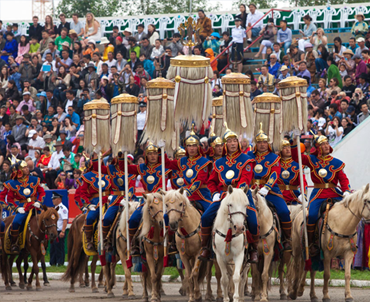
(289, 181)
(236, 169)
(117, 182)
(266, 173)
(151, 178)
(24, 193)
(176, 176)
(89, 196)
(215, 147)
(326, 173)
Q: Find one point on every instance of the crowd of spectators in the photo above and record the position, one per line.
(48, 76)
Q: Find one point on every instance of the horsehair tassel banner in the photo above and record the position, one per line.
(160, 122)
(237, 109)
(268, 111)
(124, 125)
(97, 126)
(193, 93)
(217, 116)
(293, 91)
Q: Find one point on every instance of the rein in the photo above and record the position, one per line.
(39, 228)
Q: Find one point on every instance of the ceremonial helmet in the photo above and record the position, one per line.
(151, 148)
(317, 141)
(17, 168)
(179, 152)
(192, 138)
(229, 134)
(284, 143)
(262, 137)
(214, 140)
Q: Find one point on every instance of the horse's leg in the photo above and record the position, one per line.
(25, 266)
(265, 275)
(153, 277)
(246, 291)
(238, 262)
(108, 276)
(144, 280)
(348, 258)
(183, 287)
(190, 282)
(218, 276)
(325, 290)
(208, 297)
(302, 284)
(87, 282)
(93, 269)
(312, 286)
(225, 277)
(6, 269)
(298, 271)
(44, 276)
(10, 262)
(19, 269)
(35, 270)
(285, 260)
(101, 283)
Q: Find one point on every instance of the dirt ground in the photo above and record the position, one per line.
(58, 291)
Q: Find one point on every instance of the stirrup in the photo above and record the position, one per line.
(205, 254)
(14, 248)
(90, 246)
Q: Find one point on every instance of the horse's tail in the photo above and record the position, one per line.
(199, 271)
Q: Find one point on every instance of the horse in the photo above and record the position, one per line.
(121, 247)
(262, 269)
(338, 239)
(230, 222)
(39, 226)
(185, 220)
(153, 243)
(78, 260)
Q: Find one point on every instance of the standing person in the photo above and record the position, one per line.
(77, 26)
(243, 15)
(284, 36)
(205, 24)
(254, 16)
(141, 117)
(152, 34)
(63, 24)
(35, 29)
(309, 29)
(50, 28)
(57, 253)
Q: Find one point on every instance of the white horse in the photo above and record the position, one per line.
(343, 219)
(232, 214)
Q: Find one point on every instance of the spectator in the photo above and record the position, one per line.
(216, 80)
(60, 115)
(338, 49)
(132, 88)
(148, 65)
(333, 71)
(343, 104)
(146, 48)
(365, 56)
(363, 84)
(44, 43)
(27, 69)
(310, 58)
(97, 62)
(121, 62)
(361, 46)
(57, 250)
(254, 22)
(254, 91)
(127, 34)
(152, 35)
(35, 30)
(26, 101)
(333, 111)
(284, 73)
(141, 117)
(23, 48)
(60, 181)
(352, 44)
(284, 36)
(318, 39)
(68, 128)
(266, 79)
(35, 143)
(133, 46)
(157, 50)
(351, 116)
(65, 61)
(360, 67)
(213, 42)
(35, 125)
(91, 75)
(48, 117)
(268, 33)
(317, 101)
(63, 38)
(10, 48)
(348, 62)
(303, 72)
(107, 48)
(76, 25)
(67, 163)
(4, 118)
(114, 35)
(92, 29)
(333, 86)
(49, 27)
(19, 130)
(12, 115)
(52, 49)
(296, 55)
(75, 118)
(34, 46)
(211, 56)
(309, 30)
(4, 77)
(63, 24)
(359, 28)
(239, 36)
(140, 35)
(111, 61)
(274, 65)
(70, 101)
(334, 131)
(364, 113)
(5, 172)
(348, 86)
(205, 25)
(176, 45)
(347, 127)
(120, 48)
(243, 15)
(223, 59)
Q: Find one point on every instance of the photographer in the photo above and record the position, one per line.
(358, 98)
(27, 69)
(334, 131)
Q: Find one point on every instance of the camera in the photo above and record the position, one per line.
(357, 95)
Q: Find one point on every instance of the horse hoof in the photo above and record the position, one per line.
(72, 290)
(82, 285)
(13, 283)
(110, 295)
(87, 284)
(326, 300)
(8, 287)
(198, 300)
(220, 300)
(314, 299)
(300, 293)
(264, 300)
(283, 297)
(47, 284)
(349, 300)
(101, 285)
(182, 292)
(21, 285)
(29, 287)
(292, 296)
(38, 289)
(95, 290)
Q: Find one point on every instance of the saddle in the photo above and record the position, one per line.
(22, 234)
(198, 206)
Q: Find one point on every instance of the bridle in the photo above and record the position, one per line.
(182, 213)
(230, 214)
(155, 214)
(366, 204)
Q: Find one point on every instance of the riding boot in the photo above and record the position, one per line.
(253, 252)
(172, 250)
(88, 229)
(311, 240)
(206, 251)
(107, 241)
(2, 235)
(287, 230)
(14, 241)
(135, 252)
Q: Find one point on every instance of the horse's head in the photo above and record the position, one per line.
(48, 222)
(176, 204)
(366, 200)
(235, 205)
(154, 206)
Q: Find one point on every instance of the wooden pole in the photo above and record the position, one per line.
(126, 205)
(100, 204)
(164, 206)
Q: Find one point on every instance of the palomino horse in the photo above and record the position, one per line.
(78, 260)
(152, 235)
(261, 270)
(338, 239)
(185, 220)
(231, 216)
(121, 246)
(39, 226)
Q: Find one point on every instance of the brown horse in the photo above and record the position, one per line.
(153, 243)
(39, 226)
(78, 260)
(121, 246)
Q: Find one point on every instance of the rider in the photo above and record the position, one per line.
(151, 178)
(89, 196)
(234, 168)
(177, 180)
(266, 173)
(195, 170)
(117, 181)
(24, 193)
(215, 147)
(289, 181)
(326, 173)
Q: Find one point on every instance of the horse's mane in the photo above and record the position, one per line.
(122, 222)
(175, 193)
(47, 212)
(147, 221)
(237, 195)
(355, 196)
